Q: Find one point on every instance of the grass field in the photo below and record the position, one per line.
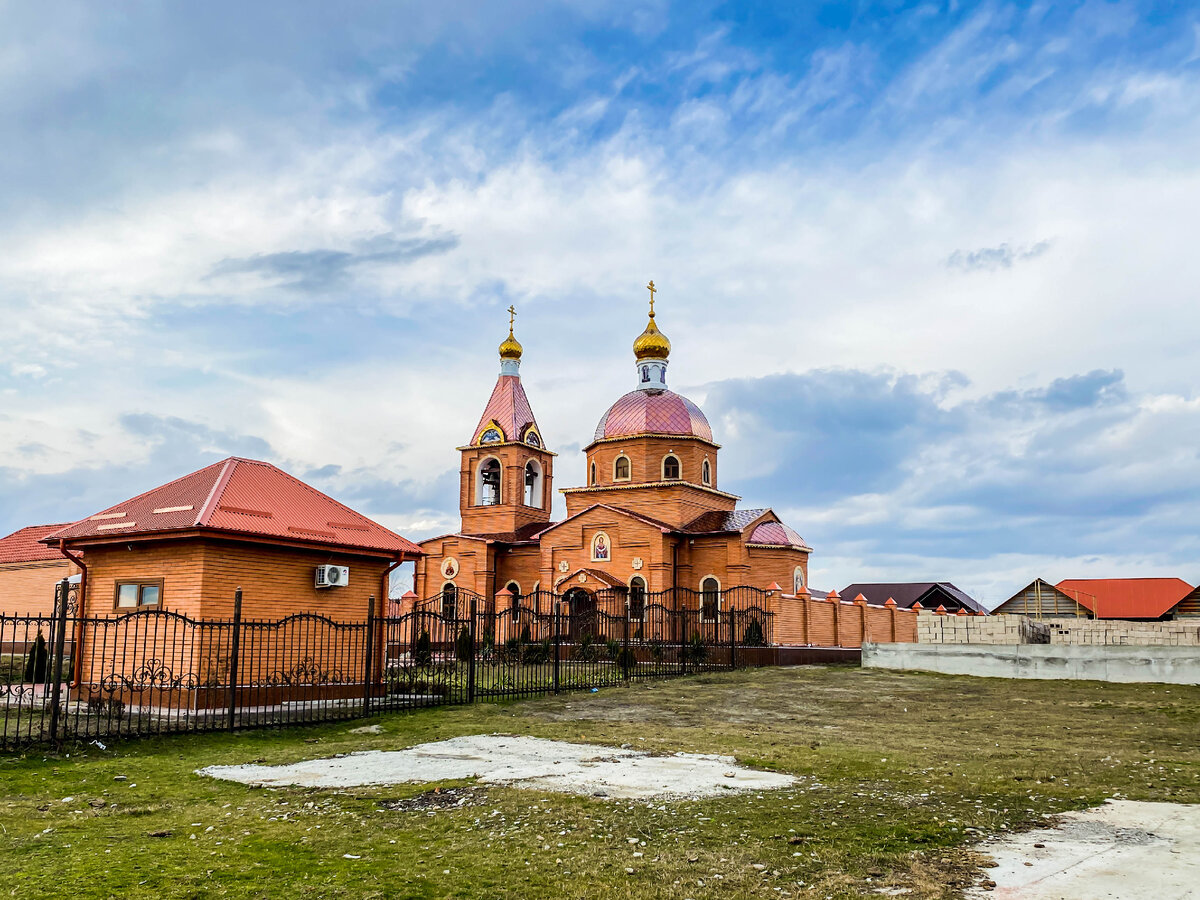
(899, 774)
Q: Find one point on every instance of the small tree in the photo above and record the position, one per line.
(753, 636)
(462, 645)
(35, 665)
(526, 634)
(422, 651)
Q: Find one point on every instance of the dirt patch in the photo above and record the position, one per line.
(1122, 849)
(438, 798)
(523, 762)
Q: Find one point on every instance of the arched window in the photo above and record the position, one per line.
(491, 436)
(449, 600)
(487, 491)
(533, 484)
(645, 374)
(637, 598)
(621, 468)
(515, 604)
(706, 473)
(670, 468)
(593, 481)
(532, 438)
(710, 599)
(798, 580)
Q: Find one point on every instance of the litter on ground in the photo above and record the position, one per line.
(524, 762)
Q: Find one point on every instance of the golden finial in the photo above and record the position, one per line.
(651, 343)
(511, 348)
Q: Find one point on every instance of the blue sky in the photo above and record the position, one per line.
(928, 267)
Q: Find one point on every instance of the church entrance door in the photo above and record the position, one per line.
(581, 613)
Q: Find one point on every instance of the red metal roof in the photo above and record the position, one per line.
(653, 412)
(509, 408)
(243, 496)
(1126, 598)
(23, 545)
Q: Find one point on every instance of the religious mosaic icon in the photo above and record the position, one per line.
(600, 547)
(450, 567)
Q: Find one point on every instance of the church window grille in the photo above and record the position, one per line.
(621, 468)
(489, 482)
(706, 472)
(671, 468)
(710, 599)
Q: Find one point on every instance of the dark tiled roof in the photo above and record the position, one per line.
(722, 522)
(931, 594)
(523, 534)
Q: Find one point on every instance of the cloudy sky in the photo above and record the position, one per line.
(929, 268)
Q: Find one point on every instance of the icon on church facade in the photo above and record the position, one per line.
(600, 548)
(450, 567)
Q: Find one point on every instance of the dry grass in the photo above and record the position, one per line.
(900, 774)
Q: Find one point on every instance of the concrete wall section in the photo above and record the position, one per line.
(1166, 665)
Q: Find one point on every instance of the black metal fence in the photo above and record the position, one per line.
(71, 677)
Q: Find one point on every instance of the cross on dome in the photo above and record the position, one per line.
(510, 347)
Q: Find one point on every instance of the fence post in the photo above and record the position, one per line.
(60, 635)
(557, 618)
(681, 618)
(472, 634)
(733, 639)
(235, 642)
(368, 660)
(625, 645)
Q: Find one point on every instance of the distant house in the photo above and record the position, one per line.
(930, 594)
(188, 545)
(1189, 605)
(1041, 600)
(29, 570)
(1128, 598)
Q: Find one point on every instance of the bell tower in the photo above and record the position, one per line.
(507, 473)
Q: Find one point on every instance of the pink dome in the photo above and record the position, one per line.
(653, 412)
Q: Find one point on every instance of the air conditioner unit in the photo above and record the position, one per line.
(332, 576)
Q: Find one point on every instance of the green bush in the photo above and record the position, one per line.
(536, 654)
(35, 666)
(462, 644)
(753, 636)
(422, 651)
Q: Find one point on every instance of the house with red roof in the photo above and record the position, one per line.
(187, 546)
(29, 570)
(1144, 599)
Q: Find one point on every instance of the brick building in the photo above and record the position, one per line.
(187, 546)
(29, 571)
(651, 518)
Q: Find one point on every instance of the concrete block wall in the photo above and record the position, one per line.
(1002, 630)
(1119, 633)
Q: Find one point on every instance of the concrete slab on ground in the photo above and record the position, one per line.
(1124, 849)
(523, 762)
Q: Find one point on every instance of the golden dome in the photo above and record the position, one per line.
(651, 343)
(510, 347)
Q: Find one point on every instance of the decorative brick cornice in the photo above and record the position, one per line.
(599, 488)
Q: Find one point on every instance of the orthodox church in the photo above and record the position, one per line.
(652, 517)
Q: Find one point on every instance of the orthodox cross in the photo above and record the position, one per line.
(651, 288)
(512, 313)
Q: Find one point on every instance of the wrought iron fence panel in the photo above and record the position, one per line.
(67, 676)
